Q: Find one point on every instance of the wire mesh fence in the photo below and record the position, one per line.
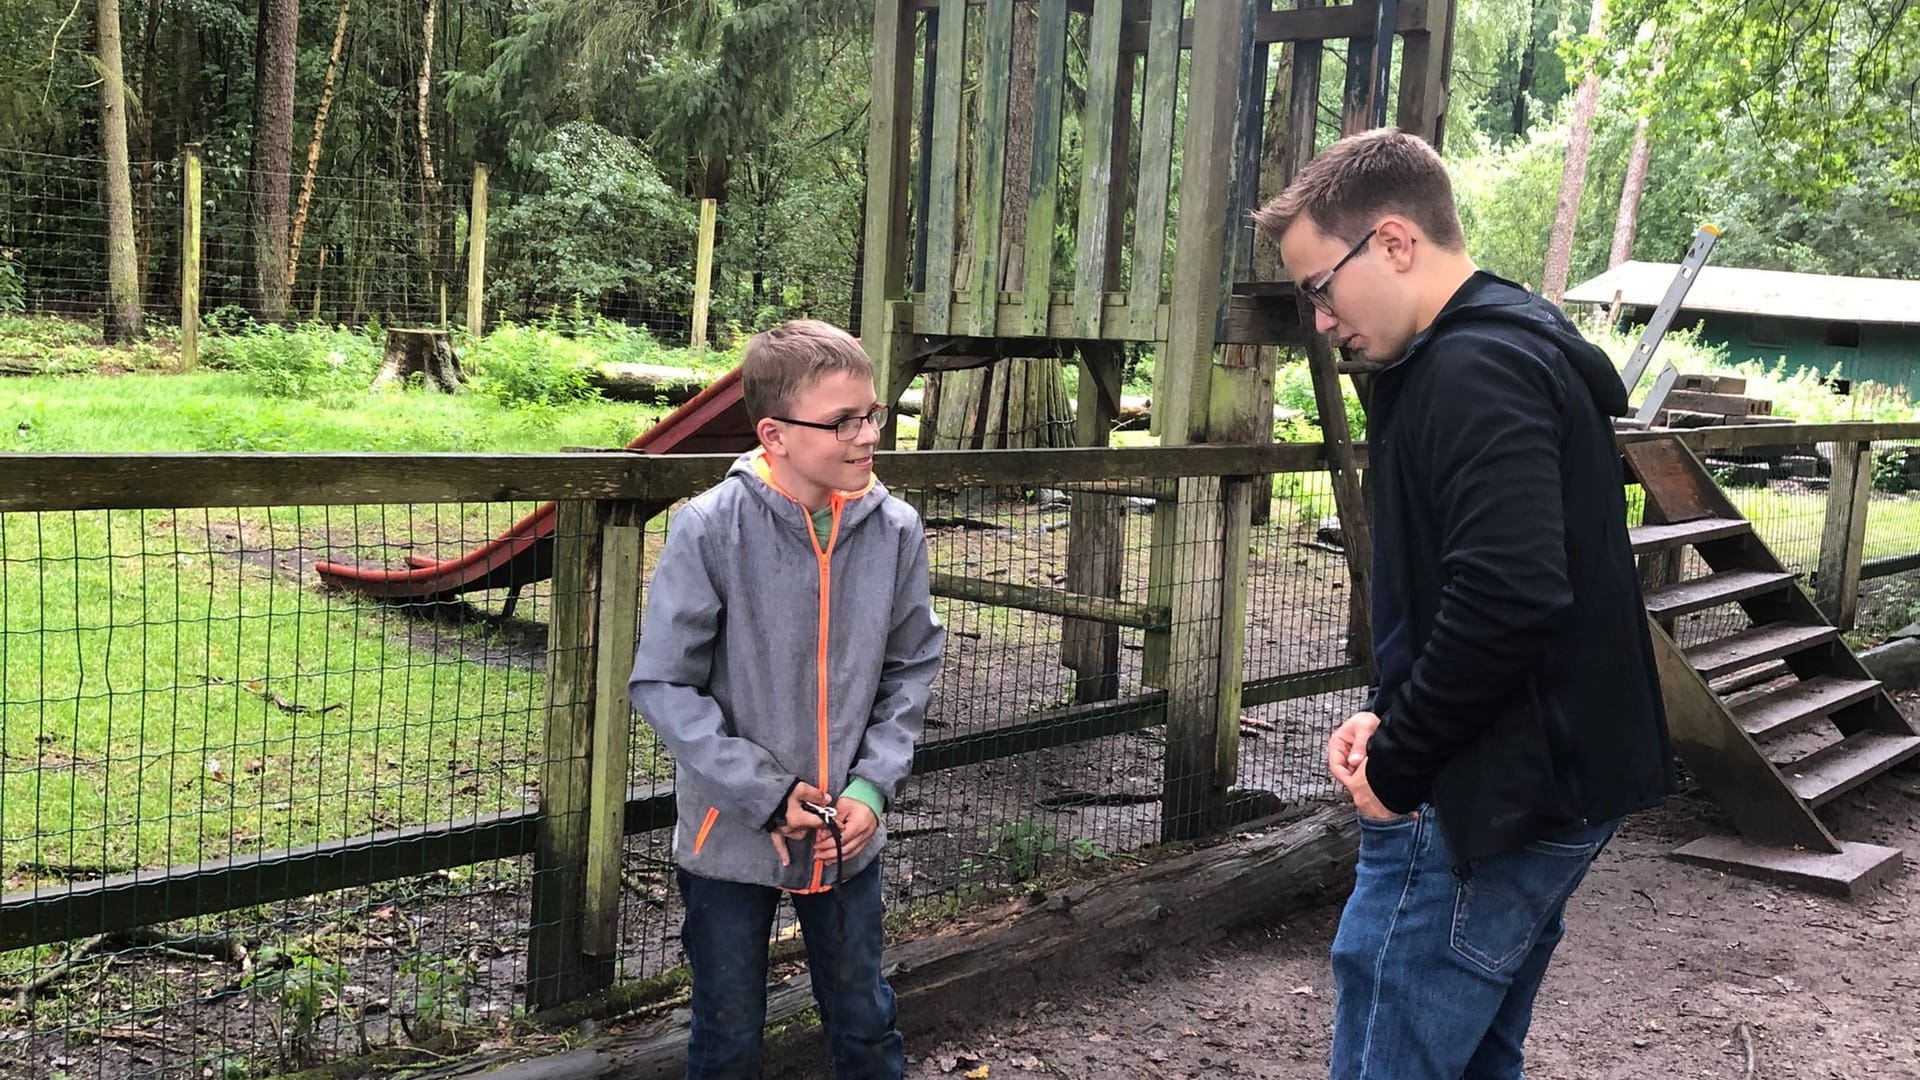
(370, 249)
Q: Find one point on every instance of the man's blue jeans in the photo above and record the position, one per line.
(1435, 973)
(725, 936)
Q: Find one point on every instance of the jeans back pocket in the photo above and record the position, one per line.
(1501, 908)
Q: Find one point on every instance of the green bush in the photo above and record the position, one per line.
(13, 283)
(307, 361)
(1293, 389)
(533, 367)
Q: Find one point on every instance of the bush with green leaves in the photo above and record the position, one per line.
(13, 283)
(1293, 389)
(306, 361)
(532, 367)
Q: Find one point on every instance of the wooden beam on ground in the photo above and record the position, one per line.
(1000, 959)
(1046, 601)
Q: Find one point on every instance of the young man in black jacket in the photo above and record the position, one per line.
(1517, 715)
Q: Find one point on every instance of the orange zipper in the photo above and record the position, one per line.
(825, 556)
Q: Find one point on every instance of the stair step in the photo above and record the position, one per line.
(1672, 601)
(1774, 711)
(1647, 538)
(1835, 770)
(1751, 646)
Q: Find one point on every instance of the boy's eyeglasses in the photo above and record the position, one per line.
(847, 429)
(1316, 290)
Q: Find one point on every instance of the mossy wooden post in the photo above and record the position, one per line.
(477, 253)
(1187, 572)
(885, 314)
(617, 628)
(703, 274)
(559, 966)
(190, 257)
(1096, 535)
(1843, 539)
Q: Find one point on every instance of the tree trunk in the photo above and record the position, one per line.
(427, 352)
(1573, 174)
(275, 50)
(430, 247)
(1627, 223)
(123, 271)
(313, 147)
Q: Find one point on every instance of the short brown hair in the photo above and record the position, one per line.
(1346, 189)
(781, 362)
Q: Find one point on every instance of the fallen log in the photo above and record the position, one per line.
(993, 964)
(648, 383)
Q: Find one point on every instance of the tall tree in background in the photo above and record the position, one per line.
(1573, 172)
(276, 38)
(313, 146)
(123, 270)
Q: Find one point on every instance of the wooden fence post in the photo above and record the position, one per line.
(477, 253)
(703, 274)
(573, 936)
(1843, 539)
(1190, 789)
(190, 257)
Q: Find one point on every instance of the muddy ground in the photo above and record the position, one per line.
(1668, 970)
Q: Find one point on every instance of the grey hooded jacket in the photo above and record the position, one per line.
(752, 680)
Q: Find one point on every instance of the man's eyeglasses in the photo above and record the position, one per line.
(1316, 290)
(845, 429)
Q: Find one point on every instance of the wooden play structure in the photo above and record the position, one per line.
(1155, 265)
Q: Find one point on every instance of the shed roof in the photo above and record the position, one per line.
(1778, 293)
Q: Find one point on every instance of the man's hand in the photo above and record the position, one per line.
(1347, 749)
(857, 826)
(1347, 760)
(800, 821)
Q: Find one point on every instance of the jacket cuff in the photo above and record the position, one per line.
(779, 816)
(1398, 793)
(865, 793)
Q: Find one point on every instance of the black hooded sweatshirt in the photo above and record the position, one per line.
(1517, 686)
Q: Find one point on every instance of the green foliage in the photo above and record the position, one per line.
(600, 224)
(443, 988)
(307, 361)
(1828, 88)
(1293, 389)
(532, 368)
(13, 282)
(306, 988)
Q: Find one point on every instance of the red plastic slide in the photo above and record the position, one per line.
(714, 422)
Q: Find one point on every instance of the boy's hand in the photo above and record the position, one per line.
(857, 826)
(800, 821)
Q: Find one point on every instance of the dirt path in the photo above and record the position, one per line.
(1668, 971)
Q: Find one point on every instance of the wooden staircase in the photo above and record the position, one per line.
(1775, 720)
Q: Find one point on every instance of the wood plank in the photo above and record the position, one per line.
(1243, 165)
(1182, 400)
(889, 130)
(1725, 760)
(1889, 565)
(1775, 712)
(1279, 688)
(1043, 183)
(990, 148)
(1045, 600)
(1756, 645)
(1675, 481)
(1042, 730)
(1157, 106)
(558, 968)
(1236, 524)
(618, 618)
(1096, 170)
(1012, 319)
(944, 144)
(1832, 771)
(1851, 871)
(1096, 535)
(1843, 536)
(1664, 537)
(1723, 587)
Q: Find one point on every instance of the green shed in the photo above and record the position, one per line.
(1869, 327)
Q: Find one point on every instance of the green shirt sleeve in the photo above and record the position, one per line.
(861, 791)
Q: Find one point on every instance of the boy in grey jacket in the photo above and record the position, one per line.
(785, 660)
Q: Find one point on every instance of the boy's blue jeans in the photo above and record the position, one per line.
(1436, 974)
(725, 936)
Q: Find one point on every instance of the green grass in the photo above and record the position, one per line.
(176, 688)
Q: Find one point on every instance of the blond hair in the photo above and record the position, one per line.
(1346, 189)
(782, 362)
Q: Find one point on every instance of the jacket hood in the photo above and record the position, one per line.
(1487, 297)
